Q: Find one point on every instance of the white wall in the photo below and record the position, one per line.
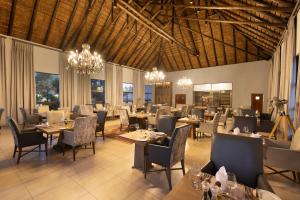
(246, 78)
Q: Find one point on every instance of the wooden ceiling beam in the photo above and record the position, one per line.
(229, 21)
(223, 42)
(170, 63)
(32, 20)
(212, 7)
(11, 17)
(51, 22)
(149, 24)
(187, 55)
(70, 21)
(223, 45)
(92, 28)
(234, 44)
(214, 45)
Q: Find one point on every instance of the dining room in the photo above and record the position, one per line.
(135, 99)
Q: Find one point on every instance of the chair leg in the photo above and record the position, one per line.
(51, 139)
(39, 148)
(145, 168)
(74, 154)
(168, 173)
(19, 155)
(103, 134)
(63, 149)
(46, 148)
(15, 150)
(182, 165)
(93, 144)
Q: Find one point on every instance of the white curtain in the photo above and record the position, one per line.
(283, 70)
(136, 86)
(22, 83)
(67, 83)
(119, 85)
(83, 89)
(141, 91)
(3, 79)
(109, 83)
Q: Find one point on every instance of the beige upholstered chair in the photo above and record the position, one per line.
(224, 117)
(153, 119)
(55, 116)
(83, 133)
(86, 110)
(209, 127)
(126, 121)
(99, 106)
(284, 156)
(67, 112)
(43, 109)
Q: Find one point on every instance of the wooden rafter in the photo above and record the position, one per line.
(88, 35)
(11, 17)
(187, 55)
(170, 64)
(70, 21)
(214, 45)
(223, 45)
(234, 44)
(173, 57)
(32, 20)
(51, 21)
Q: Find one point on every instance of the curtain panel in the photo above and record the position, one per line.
(22, 82)
(119, 85)
(67, 83)
(136, 89)
(142, 86)
(3, 79)
(109, 83)
(83, 95)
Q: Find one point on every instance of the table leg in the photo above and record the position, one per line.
(194, 131)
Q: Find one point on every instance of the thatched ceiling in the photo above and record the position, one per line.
(174, 35)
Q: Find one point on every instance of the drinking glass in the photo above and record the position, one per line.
(137, 126)
(246, 129)
(195, 176)
(231, 182)
(205, 188)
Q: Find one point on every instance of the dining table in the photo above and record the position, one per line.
(141, 139)
(57, 128)
(192, 121)
(184, 190)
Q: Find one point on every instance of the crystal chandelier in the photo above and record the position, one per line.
(85, 62)
(185, 82)
(155, 76)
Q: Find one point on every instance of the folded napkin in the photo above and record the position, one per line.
(255, 135)
(236, 131)
(221, 176)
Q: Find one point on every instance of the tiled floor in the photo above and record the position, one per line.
(106, 175)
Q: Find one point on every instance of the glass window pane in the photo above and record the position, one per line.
(127, 92)
(98, 91)
(47, 89)
(148, 93)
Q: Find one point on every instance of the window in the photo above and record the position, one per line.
(128, 92)
(47, 89)
(98, 91)
(148, 93)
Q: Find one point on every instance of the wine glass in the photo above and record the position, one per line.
(137, 126)
(246, 129)
(231, 181)
(195, 176)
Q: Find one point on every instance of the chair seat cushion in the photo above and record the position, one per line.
(295, 144)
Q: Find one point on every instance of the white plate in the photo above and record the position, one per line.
(42, 125)
(266, 195)
(159, 133)
(142, 139)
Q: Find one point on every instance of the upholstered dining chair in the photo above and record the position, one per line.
(241, 122)
(82, 134)
(248, 112)
(283, 157)
(126, 121)
(169, 155)
(240, 155)
(209, 127)
(25, 138)
(1, 112)
(166, 124)
(30, 119)
(223, 118)
(153, 119)
(198, 112)
(101, 118)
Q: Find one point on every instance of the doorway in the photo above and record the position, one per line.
(180, 99)
(257, 102)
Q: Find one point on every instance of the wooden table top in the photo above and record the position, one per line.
(139, 115)
(189, 120)
(142, 135)
(184, 190)
(55, 128)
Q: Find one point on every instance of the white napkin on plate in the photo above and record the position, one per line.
(236, 131)
(222, 177)
(255, 135)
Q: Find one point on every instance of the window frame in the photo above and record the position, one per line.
(99, 92)
(127, 92)
(145, 93)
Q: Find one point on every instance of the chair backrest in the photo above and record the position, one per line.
(161, 112)
(75, 109)
(198, 112)
(1, 112)
(99, 106)
(227, 112)
(215, 122)
(84, 129)
(240, 155)
(166, 124)
(67, 112)
(14, 129)
(24, 114)
(178, 142)
(212, 109)
(248, 112)
(153, 108)
(43, 109)
(55, 116)
(241, 122)
(86, 110)
(184, 110)
(124, 117)
(101, 116)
